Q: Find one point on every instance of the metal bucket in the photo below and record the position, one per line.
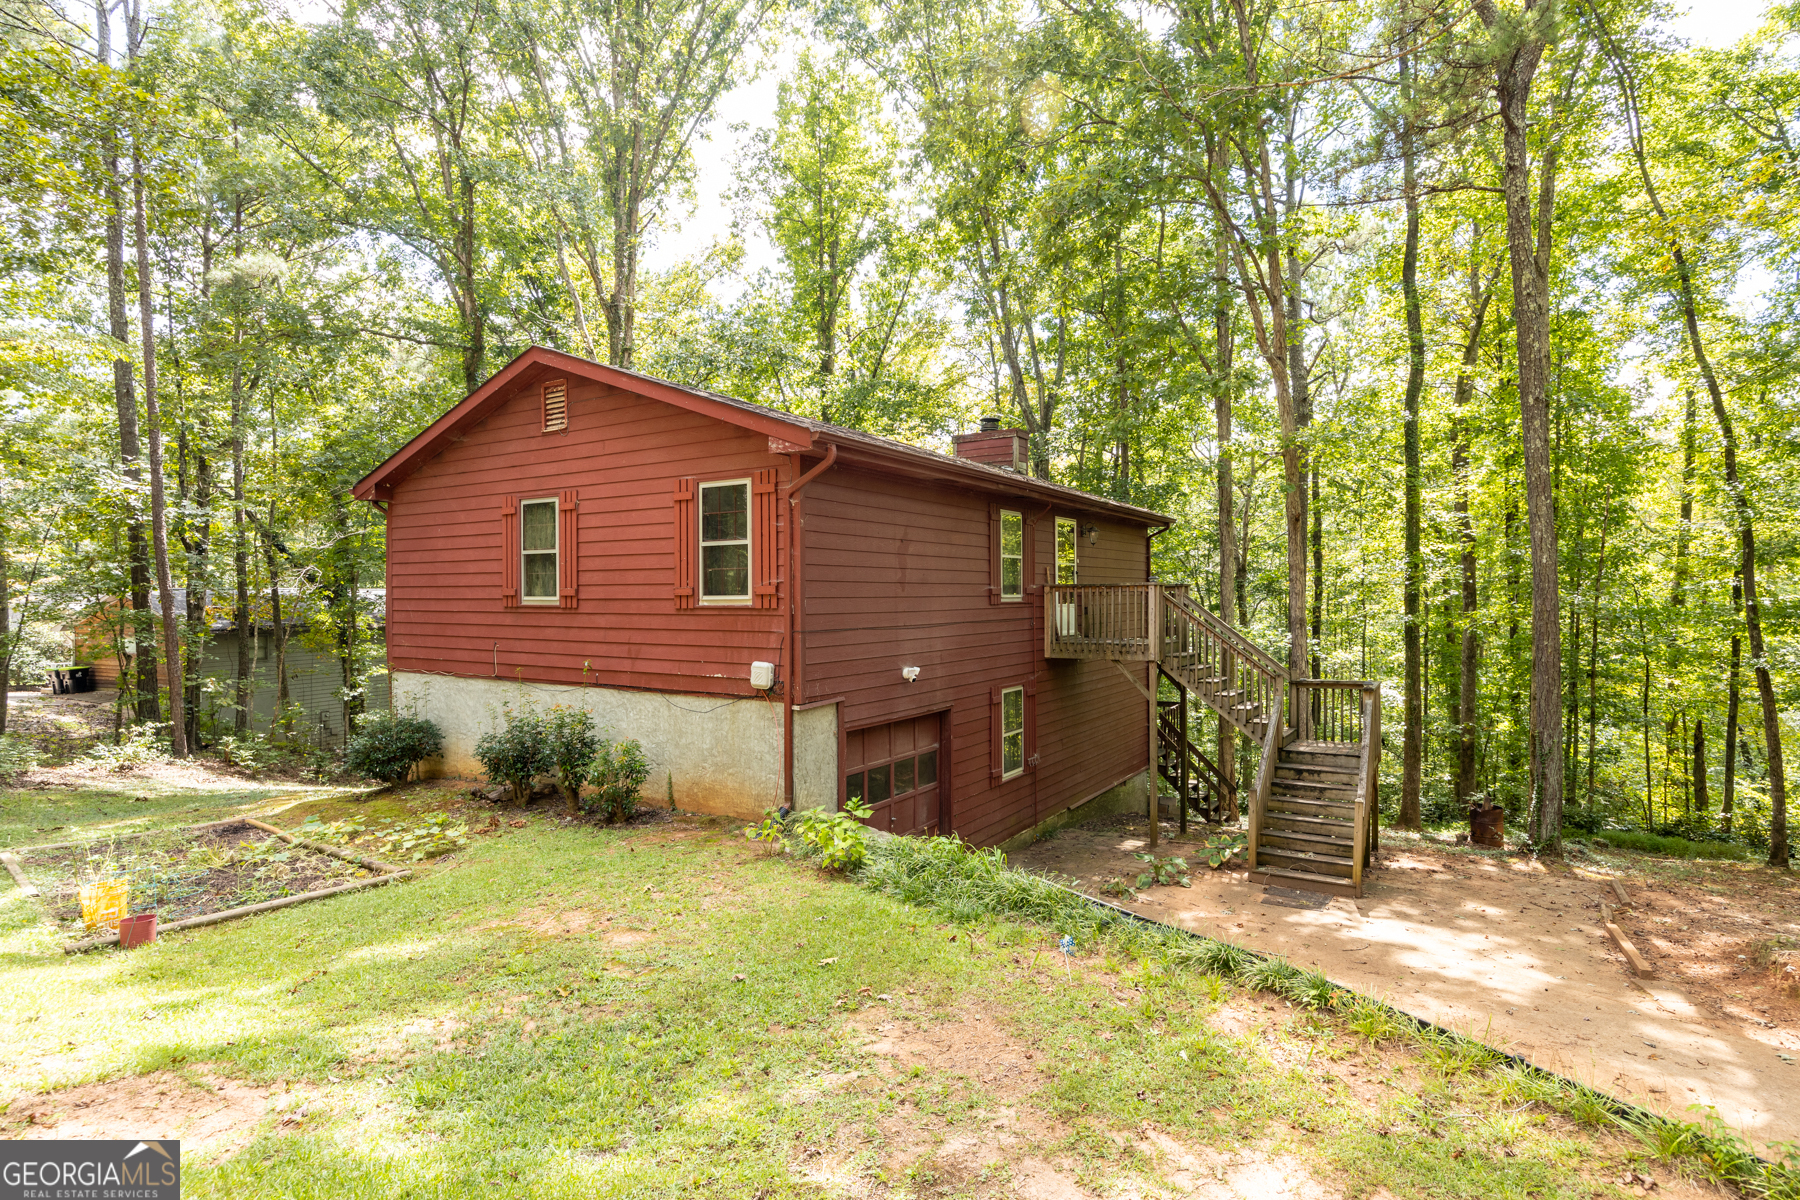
(1487, 826)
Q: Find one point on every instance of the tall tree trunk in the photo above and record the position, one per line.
(240, 553)
(1317, 517)
(279, 630)
(199, 578)
(1733, 700)
(1228, 583)
(1529, 252)
(1412, 753)
(1593, 672)
(7, 641)
(1759, 655)
(145, 705)
(1684, 530)
(159, 525)
(1701, 799)
(1778, 842)
(1480, 292)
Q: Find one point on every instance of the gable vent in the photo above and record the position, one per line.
(556, 405)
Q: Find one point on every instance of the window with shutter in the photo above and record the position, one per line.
(556, 405)
(725, 542)
(538, 538)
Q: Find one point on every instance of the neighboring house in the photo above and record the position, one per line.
(315, 678)
(780, 610)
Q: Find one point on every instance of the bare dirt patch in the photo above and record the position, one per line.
(205, 1111)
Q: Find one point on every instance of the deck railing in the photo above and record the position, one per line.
(1328, 710)
(1102, 621)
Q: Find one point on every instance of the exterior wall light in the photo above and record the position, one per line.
(1093, 532)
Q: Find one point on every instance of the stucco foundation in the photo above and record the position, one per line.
(718, 755)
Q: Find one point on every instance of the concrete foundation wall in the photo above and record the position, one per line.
(719, 756)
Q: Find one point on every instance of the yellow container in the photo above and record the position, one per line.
(105, 902)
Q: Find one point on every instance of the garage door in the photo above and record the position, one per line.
(893, 769)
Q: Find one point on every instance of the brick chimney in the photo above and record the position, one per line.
(993, 445)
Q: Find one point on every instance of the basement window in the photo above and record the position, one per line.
(1012, 555)
(537, 549)
(1012, 732)
(725, 542)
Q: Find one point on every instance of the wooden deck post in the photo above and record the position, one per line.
(1150, 775)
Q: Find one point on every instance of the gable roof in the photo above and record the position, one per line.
(786, 432)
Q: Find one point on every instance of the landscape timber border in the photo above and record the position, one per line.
(384, 873)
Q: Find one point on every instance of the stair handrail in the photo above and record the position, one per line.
(1369, 781)
(1265, 772)
(1239, 645)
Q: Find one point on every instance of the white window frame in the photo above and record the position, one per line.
(1074, 528)
(555, 552)
(747, 542)
(1007, 735)
(1004, 556)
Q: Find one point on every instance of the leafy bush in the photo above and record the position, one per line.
(617, 775)
(17, 756)
(840, 839)
(389, 745)
(573, 746)
(1223, 846)
(516, 753)
(147, 744)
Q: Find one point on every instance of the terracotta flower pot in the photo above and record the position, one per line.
(137, 930)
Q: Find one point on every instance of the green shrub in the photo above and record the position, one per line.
(17, 756)
(516, 753)
(617, 775)
(573, 746)
(389, 745)
(840, 839)
(146, 744)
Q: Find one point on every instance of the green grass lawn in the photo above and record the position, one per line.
(666, 1010)
(43, 816)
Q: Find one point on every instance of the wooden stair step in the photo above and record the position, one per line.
(1342, 810)
(1299, 860)
(1321, 844)
(1304, 881)
(1305, 787)
(1303, 823)
(1312, 774)
(1350, 763)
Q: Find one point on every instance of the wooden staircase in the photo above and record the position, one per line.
(1312, 811)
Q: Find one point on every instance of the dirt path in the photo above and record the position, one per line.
(1513, 954)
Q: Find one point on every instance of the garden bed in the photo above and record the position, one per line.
(184, 873)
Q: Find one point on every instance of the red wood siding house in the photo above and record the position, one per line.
(572, 533)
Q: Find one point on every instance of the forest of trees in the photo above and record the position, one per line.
(1461, 339)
